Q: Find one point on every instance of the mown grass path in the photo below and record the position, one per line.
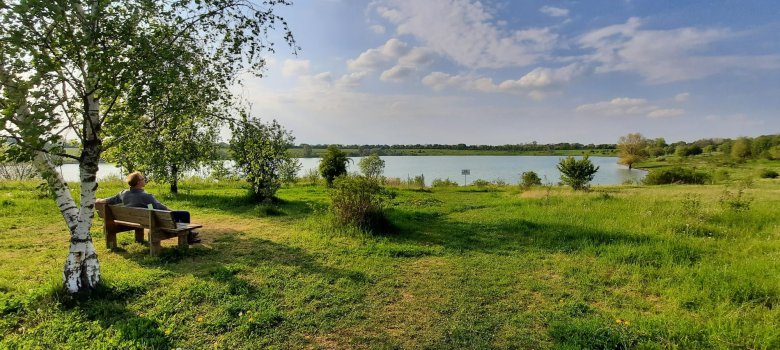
(619, 267)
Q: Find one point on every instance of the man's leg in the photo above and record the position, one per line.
(181, 216)
(184, 217)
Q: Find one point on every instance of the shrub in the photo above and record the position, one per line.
(676, 176)
(577, 173)
(372, 166)
(357, 201)
(499, 182)
(480, 183)
(530, 179)
(418, 181)
(333, 164)
(311, 177)
(443, 183)
(768, 174)
(260, 153)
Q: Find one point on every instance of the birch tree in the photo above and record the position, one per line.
(67, 67)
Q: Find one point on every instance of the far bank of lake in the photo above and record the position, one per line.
(491, 168)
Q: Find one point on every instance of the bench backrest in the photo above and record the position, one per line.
(144, 217)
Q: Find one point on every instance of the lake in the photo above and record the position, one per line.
(507, 168)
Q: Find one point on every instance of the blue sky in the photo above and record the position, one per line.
(498, 72)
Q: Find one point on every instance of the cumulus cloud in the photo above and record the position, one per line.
(666, 113)
(292, 68)
(405, 61)
(376, 28)
(351, 80)
(664, 56)
(465, 31)
(375, 58)
(537, 83)
(682, 97)
(554, 11)
(625, 106)
(398, 74)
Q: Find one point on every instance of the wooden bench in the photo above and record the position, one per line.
(159, 223)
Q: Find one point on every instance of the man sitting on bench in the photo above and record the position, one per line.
(137, 198)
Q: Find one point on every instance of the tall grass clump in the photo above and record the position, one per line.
(357, 201)
(443, 183)
(677, 176)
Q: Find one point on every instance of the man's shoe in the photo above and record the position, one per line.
(193, 240)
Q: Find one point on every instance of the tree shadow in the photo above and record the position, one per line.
(495, 236)
(244, 205)
(107, 305)
(227, 246)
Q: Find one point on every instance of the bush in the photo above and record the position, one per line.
(530, 179)
(577, 173)
(260, 153)
(372, 166)
(444, 183)
(357, 201)
(768, 174)
(480, 183)
(333, 164)
(676, 176)
(311, 177)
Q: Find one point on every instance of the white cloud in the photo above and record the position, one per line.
(536, 83)
(625, 106)
(547, 77)
(466, 32)
(398, 74)
(351, 80)
(682, 97)
(405, 60)
(292, 68)
(664, 56)
(377, 29)
(373, 59)
(319, 79)
(666, 113)
(418, 57)
(554, 11)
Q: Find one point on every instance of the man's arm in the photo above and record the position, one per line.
(111, 200)
(157, 205)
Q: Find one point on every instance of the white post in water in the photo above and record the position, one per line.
(465, 172)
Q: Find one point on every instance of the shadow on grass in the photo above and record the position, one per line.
(502, 235)
(228, 246)
(244, 205)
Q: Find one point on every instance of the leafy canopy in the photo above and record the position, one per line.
(333, 164)
(577, 173)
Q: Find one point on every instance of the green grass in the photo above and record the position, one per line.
(463, 267)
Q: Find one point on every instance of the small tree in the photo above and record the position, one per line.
(333, 164)
(632, 148)
(307, 151)
(372, 166)
(577, 173)
(260, 153)
(740, 150)
(529, 179)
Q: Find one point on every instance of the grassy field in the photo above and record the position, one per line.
(463, 267)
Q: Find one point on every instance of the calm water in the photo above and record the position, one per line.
(507, 168)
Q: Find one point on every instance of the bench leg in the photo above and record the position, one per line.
(184, 243)
(154, 244)
(110, 240)
(139, 235)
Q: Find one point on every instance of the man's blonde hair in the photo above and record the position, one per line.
(134, 178)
